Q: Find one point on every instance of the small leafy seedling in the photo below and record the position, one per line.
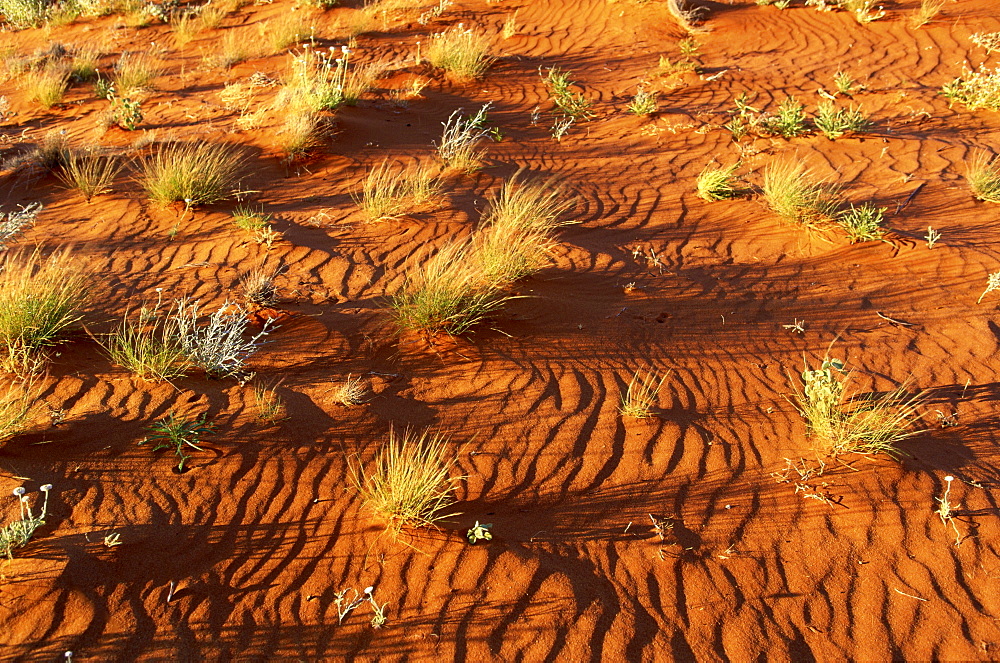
(479, 533)
(175, 433)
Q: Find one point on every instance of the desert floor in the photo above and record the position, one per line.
(264, 529)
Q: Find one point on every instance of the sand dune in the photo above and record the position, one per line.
(265, 528)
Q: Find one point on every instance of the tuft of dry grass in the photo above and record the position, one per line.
(447, 293)
(352, 391)
(529, 205)
(390, 193)
(927, 10)
(40, 300)
(289, 28)
(688, 19)
(196, 173)
(134, 71)
(791, 192)
(47, 84)
(150, 347)
(641, 396)
(982, 172)
(463, 52)
(259, 287)
(409, 481)
(18, 401)
(88, 171)
(718, 182)
(302, 133)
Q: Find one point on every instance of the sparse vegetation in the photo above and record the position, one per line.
(463, 52)
(864, 223)
(88, 171)
(988, 41)
(270, 405)
(409, 481)
(927, 10)
(256, 222)
(460, 140)
(718, 182)
(352, 391)
(18, 403)
(791, 192)
(834, 122)
(259, 288)
(40, 300)
(789, 120)
(133, 72)
(288, 29)
(178, 434)
(571, 104)
(640, 398)
(150, 347)
(196, 173)
(220, 347)
(47, 83)
(390, 193)
(982, 172)
(643, 103)
(857, 424)
(976, 89)
(16, 534)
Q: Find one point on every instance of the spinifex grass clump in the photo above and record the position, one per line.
(834, 122)
(390, 193)
(16, 534)
(447, 293)
(975, 89)
(640, 398)
(462, 51)
(983, 174)
(465, 281)
(134, 71)
(864, 223)
(408, 482)
(792, 193)
(718, 182)
(40, 300)
(525, 205)
(17, 404)
(197, 173)
(47, 83)
(150, 347)
(866, 425)
(178, 434)
(88, 171)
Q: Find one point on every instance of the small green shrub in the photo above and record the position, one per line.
(572, 104)
(643, 103)
(834, 122)
(864, 223)
(789, 121)
(976, 89)
(178, 434)
(16, 534)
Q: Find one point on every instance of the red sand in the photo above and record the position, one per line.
(266, 528)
